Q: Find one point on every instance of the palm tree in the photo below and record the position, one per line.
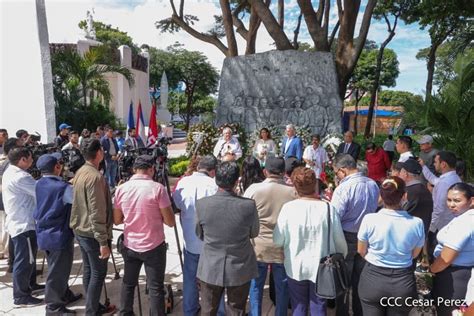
(71, 71)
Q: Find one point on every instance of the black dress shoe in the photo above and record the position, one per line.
(60, 311)
(73, 298)
(35, 288)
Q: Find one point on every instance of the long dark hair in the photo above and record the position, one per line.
(266, 130)
(251, 172)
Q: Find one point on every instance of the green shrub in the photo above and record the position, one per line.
(177, 169)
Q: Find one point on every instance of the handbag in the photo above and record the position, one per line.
(333, 279)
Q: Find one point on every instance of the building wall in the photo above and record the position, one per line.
(383, 124)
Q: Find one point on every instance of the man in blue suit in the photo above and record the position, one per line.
(292, 145)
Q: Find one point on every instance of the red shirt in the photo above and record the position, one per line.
(378, 163)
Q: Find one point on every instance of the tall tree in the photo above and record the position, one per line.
(202, 104)
(443, 19)
(363, 78)
(189, 67)
(347, 49)
(384, 10)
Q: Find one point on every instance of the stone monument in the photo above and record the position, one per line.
(278, 88)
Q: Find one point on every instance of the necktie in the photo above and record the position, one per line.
(346, 148)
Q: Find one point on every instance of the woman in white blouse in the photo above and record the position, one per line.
(264, 146)
(301, 230)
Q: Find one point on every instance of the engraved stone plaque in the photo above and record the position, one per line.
(278, 88)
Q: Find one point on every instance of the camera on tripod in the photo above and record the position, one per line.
(161, 147)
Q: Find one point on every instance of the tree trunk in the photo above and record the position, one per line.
(430, 66)
(84, 95)
(281, 13)
(318, 33)
(356, 113)
(346, 53)
(229, 28)
(281, 40)
(189, 94)
(375, 87)
(254, 24)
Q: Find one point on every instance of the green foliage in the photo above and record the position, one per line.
(111, 36)
(178, 168)
(392, 98)
(201, 104)
(450, 114)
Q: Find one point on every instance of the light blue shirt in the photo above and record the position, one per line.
(19, 199)
(459, 235)
(187, 192)
(441, 215)
(301, 230)
(391, 236)
(355, 197)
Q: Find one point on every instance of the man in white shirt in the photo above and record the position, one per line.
(188, 190)
(403, 146)
(445, 164)
(19, 199)
(227, 145)
(315, 156)
(73, 141)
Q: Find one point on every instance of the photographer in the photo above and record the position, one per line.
(143, 206)
(52, 214)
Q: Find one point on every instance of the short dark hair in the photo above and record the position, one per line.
(304, 180)
(390, 137)
(466, 189)
(130, 130)
(15, 155)
(448, 157)
(370, 145)
(392, 190)
(19, 133)
(317, 136)
(406, 140)
(73, 133)
(2, 130)
(227, 174)
(345, 161)
(90, 147)
(9, 145)
(207, 163)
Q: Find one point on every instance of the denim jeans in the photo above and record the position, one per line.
(111, 168)
(155, 264)
(95, 270)
(304, 299)
(190, 286)
(59, 269)
(281, 289)
(24, 266)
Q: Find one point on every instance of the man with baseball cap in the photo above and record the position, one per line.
(52, 214)
(419, 200)
(63, 136)
(143, 206)
(427, 152)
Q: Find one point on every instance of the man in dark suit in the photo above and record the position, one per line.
(348, 146)
(111, 150)
(292, 145)
(132, 141)
(226, 223)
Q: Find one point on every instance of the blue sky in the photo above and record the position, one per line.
(137, 17)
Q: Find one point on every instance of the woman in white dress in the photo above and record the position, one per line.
(264, 146)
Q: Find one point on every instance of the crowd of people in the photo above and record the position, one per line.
(388, 219)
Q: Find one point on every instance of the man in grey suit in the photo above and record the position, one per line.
(226, 223)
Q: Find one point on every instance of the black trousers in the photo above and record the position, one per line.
(355, 263)
(451, 283)
(377, 284)
(57, 291)
(155, 265)
(236, 298)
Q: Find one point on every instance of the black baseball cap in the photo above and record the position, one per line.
(412, 166)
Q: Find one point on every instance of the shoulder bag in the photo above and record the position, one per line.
(333, 279)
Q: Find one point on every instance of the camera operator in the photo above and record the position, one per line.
(52, 214)
(73, 141)
(19, 199)
(143, 206)
(62, 138)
